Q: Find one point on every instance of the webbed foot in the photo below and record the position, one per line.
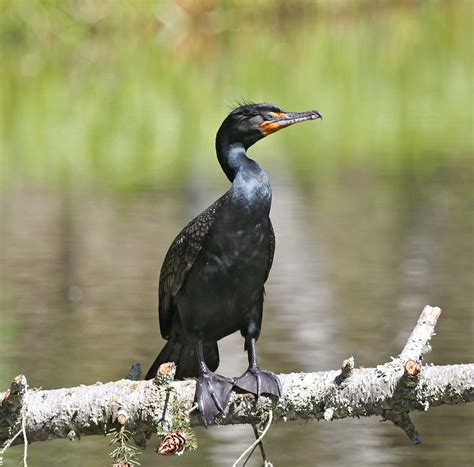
(259, 382)
(212, 395)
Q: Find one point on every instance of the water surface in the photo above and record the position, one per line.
(356, 262)
(108, 112)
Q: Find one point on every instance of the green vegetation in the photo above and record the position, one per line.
(130, 94)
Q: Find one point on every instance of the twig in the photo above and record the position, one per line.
(410, 360)
(7, 444)
(347, 368)
(25, 439)
(403, 420)
(23, 426)
(418, 342)
(250, 453)
(397, 387)
(260, 445)
(257, 441)
(13, 411)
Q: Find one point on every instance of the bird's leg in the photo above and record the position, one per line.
(255, 380)
(212, 390)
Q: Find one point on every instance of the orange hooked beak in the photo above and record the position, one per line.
(275, 121)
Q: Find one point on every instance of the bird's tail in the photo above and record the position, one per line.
(185, 358)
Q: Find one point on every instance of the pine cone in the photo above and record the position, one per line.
(172, 443)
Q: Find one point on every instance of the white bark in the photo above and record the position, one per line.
(390, 391)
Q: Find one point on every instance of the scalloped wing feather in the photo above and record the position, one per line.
(179, 260)
(272, 249)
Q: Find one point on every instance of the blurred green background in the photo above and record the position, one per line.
(108, 115)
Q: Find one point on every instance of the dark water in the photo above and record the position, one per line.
(359, 254)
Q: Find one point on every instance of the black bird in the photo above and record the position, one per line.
(212, 279)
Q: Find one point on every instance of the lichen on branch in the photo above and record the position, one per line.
(390, 391)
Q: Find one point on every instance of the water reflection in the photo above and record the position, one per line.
(358, 255)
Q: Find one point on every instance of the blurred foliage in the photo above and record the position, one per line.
(130, 94)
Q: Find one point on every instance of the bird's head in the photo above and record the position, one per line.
(249, 123)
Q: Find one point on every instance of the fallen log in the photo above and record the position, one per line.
(391, 391)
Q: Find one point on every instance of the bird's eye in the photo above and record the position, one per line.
(268, 117)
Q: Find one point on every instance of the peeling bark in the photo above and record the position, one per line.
(390, 391)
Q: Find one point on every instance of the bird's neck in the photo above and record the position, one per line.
(231, 157)
(250, 185)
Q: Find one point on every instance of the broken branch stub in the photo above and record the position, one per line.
(150, 405)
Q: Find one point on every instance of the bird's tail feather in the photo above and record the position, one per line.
(185, 358)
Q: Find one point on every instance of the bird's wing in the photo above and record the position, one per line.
(272, 249)
(179, 260)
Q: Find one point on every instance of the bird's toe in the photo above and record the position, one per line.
(212, 395)
(257, 381)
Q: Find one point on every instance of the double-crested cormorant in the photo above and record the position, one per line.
(212, 279)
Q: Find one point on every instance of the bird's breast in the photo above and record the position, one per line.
(235, 259)
(251, 194)
(243, 245)
(229, 273)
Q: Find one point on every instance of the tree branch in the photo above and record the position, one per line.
(390, 391)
